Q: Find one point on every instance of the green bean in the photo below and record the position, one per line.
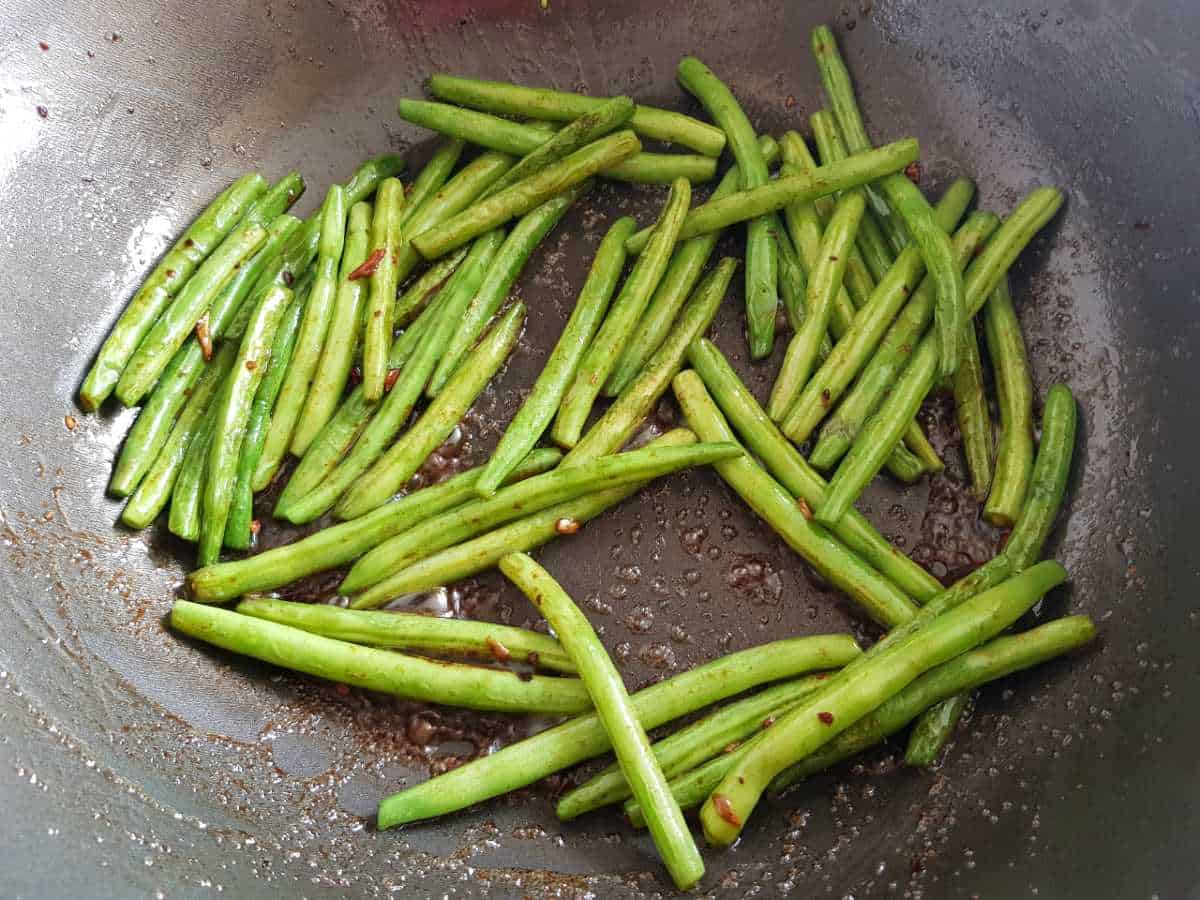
(523, 196)
(482, 553)
(183, 520)
(200, 239)
(855, 347)
(381, 294)
(416, 632)
(997, 658)
(824, 281)
(366, 178)
(536, 412)
(790, 469)
(981, 278)
(856, 691)
(410, 304)
(395, 467)
(560, 106)
(876, 595)
(1048, 483)
(154, 490)
(617, 715)
(314, 327)
(793, 284)
(677, 282)
(391, 415)
(971, 413)
(572, 742)
(692, 745)
(238, 534)
(341, 339)
(170, 394)
(179, 319)
(930, 731)
(907, 203)
(692, 788)
(232, 412)
(385, 671)
(529, 496)
(621, 420)
(779, 192)
(528, 232)
(340, 544)
(618, 326)
(433, 175)
(761, 261)
(1014, 391)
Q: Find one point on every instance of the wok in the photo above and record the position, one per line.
(133, 764)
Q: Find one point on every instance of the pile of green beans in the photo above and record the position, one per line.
(331, 357)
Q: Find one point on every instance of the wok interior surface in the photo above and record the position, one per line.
(134, 763)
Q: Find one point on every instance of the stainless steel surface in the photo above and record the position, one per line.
(135, 764)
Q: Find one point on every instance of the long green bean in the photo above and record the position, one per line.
(692, 745)
(183, 519)
(790, 469)
(386, 671)
(779, 192)
(1014, 391)
(431, 178)
(528, 232)
(571, 742)
(200, 239)
(416, 632)
(412, 302)
(482, 553)
(539, 407)
(761, 262)
(824, 282)
(622, 318)
(402, 460)
(981, 278)
(560, 106)
(381, 293)
(232, 412)
(617, 715)
(523, 196)
(856, 691)
(157, 415)
(238, 534)
(314, 328)
(621, 420)
(529, 496)
(971, 413)
(391, 415)
(876, 595)
(342, 543)
(341, 338)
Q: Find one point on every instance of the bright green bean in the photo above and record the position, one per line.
(381, 293)
(617, 715)
(572, 742)
(621, 420)
(560, 106)
(395, 467)
(416, 632)
(200, 239)
(232, 412)
(528, 232)
(523, 196)
(386, 671)
(824, 282)
(876, 595)
(856, 691)
(790, 469)
(337, 356)
(340, 544)
(761, 261)
(1014, 392)
(412, 302)
(529, 496)
(930, 731)
(971, 413)
(539, 407)
(433, 175)
(622, 319)
(183, 520)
